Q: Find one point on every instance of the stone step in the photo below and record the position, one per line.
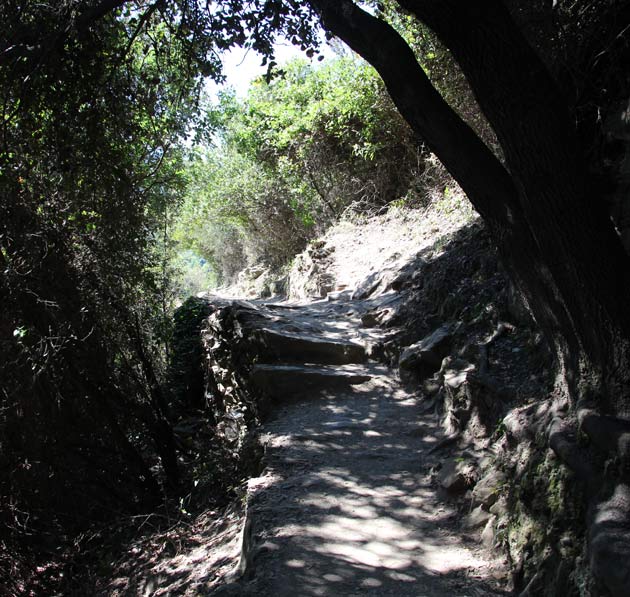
(288, 383)
(291, 347)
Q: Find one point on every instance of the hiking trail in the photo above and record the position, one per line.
(347, 503)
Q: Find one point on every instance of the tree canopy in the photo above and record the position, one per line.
(289, 158)
(97, 100)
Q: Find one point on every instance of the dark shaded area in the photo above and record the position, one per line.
(186, 370)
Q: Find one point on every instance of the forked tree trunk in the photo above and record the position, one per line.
(553, 233)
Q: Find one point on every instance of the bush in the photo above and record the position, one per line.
(289, 159)
(186, 366)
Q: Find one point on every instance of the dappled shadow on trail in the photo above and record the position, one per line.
(347, 506)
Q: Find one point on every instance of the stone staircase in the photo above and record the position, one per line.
(288, 352)
(300, 365)
(308, 348)
(287, 383)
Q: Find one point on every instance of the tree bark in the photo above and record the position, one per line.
(588, 268)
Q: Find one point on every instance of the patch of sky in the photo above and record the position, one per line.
(242, 65)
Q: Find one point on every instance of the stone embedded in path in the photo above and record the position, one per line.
(457, 476)
(292, 382)
(488, 488)
(290, 347)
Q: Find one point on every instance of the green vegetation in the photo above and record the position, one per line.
(289, 159)
(98, 100)
(89, 164)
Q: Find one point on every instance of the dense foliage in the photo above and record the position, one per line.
(291, 157)
(90, 121)
(97, 101)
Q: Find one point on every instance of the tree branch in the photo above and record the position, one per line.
(483, 177)
(488, 185)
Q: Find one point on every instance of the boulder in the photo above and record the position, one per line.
(473, 402)
(380, 282)
(367, 287)
(487, 490)
(487, 535)
(425, 357)
(477, 518)
(310, 275)
(456, 476)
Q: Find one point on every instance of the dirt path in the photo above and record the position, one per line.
(347, 503)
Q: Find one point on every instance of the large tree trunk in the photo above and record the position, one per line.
(587, 265)
(555, 237)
